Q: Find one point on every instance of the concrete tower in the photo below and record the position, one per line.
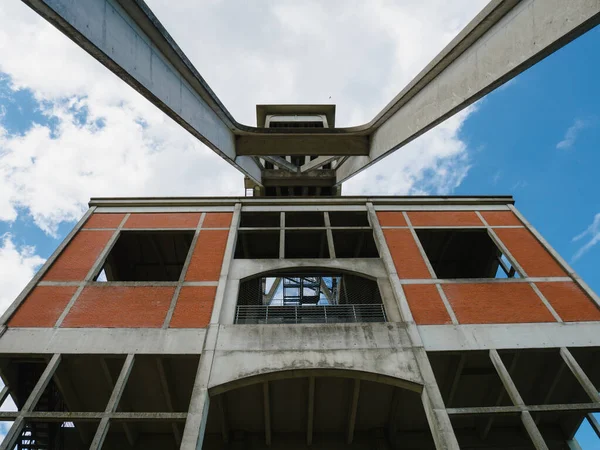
(296, 317)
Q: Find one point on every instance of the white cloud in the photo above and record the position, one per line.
(360, 53)
(571, 134)
(434, 163)
(17, 266)
(592, 234)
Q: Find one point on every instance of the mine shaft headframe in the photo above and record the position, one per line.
(504, 39)
(294, 171)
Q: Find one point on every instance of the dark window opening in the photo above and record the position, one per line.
(464, 254)
(304, 219)
(259, 220)
(257, 245)
(298, 124)
(309, 297)
(354, 244)
(306, 244)
(147, 256)
(349, 219)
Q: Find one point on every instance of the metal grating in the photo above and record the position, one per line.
(309, 298)
(253, 314)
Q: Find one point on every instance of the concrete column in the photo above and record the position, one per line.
(437, 416)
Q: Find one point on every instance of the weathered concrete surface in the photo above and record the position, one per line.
(505, 336)
(102, 341)
(379, 349)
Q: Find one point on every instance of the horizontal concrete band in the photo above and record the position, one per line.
(43, 416)
(485, 410)
(509, 336)
(380, 203)
(102, 341)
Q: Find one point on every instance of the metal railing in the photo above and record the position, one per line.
(258, 314)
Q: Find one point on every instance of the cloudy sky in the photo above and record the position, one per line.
(70, 129)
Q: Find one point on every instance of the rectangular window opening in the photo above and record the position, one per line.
(304, 219)
(354, 244)
(465, 254)
(306, 244)
(259, 220)
(349, 219)
(257, 245)
(147, 256)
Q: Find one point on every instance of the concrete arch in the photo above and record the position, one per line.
(371, 268)
(307, 373)
(377, 350)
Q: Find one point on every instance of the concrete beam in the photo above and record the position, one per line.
(506, 38)
(352, 411)
(594, 424)
(282, 163)
(317, 163)
(160, 366)
(267, 412)
(311, 411)
(113, 403)
(128, 39)
(223, 415)
(321, 143)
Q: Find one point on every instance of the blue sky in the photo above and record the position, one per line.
(70, 130)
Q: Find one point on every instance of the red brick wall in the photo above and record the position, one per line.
(496, 303)
(42, 307)
(570, 302)
(405, 253)
(194, 307)
(500, 218)
(426, 304)
(104, 221)
(444, 218)
(78, 257)
(217, 220)
(207, 258)
(120, 307)
(391, 219)
(163, 220)
(529, 253)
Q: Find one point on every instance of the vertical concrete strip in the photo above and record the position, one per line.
(113, 403)
(310, 411)
(517, 266)
(40, 273)
(195, 425)
(441, 292)
(10, 440)
(515, 397)
(183, 273)
(352, 411)
(93, 271)
(281, 235)
(267, 412)
(437, 416)
(582, 284)
(594, 423)
(582, 378)
(329, 236)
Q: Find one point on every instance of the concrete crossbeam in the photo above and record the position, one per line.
(506, 38)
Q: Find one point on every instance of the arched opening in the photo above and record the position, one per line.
(317, 408)
(309, 295)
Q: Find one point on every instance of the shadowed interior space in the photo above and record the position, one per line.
(147, 256)
(321, 411)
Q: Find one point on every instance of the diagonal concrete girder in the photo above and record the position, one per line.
(506, 38)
